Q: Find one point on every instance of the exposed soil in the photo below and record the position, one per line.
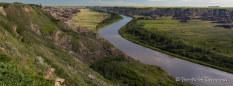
(2, 11)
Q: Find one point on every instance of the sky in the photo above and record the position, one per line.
(225, 3)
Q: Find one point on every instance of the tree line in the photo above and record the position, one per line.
(111, 19)
(111, 68)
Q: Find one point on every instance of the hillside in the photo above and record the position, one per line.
(43, 47)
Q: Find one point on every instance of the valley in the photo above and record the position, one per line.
(44, 46)
(182, 32)
(115, 45)
(177, 67)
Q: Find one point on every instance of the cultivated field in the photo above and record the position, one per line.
(89, 19)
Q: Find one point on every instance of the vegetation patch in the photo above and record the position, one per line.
(111, 19)
(12, 75)
(95, 19)
(4, 5)
(4, 58)
(133, 73)
(89, 18)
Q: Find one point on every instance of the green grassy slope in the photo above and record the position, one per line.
(25, 39)
(133, 73)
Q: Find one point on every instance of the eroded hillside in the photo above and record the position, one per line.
(48, 48)
(222, 15)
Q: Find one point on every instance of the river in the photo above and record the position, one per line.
(181, 69)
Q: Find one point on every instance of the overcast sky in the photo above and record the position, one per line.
(128, 2)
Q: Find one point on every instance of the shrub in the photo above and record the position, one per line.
(39, 59)
(4, 58)
(11, 75)
(112, 69)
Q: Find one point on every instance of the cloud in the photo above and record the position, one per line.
(156, 0)
(113, 3)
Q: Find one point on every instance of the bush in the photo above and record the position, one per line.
(39, 59)
(11, 75)
(112, 69)
(112, 18)
(4, 5)
(4, 58)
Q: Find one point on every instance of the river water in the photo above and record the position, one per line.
(182, 70)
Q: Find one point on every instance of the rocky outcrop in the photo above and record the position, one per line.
(63, 14)
(50, 73)
(2, 11)
(59, 82)
(96, 48)
(89, 44)
(35, 28)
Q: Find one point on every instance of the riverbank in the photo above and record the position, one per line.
(112, 18)
(138, 40)
(175, 55)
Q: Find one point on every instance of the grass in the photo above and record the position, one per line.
(12, 75)
(89, 19)
(196, 33)
(153, 74)
(133, 73)
(138, 16)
